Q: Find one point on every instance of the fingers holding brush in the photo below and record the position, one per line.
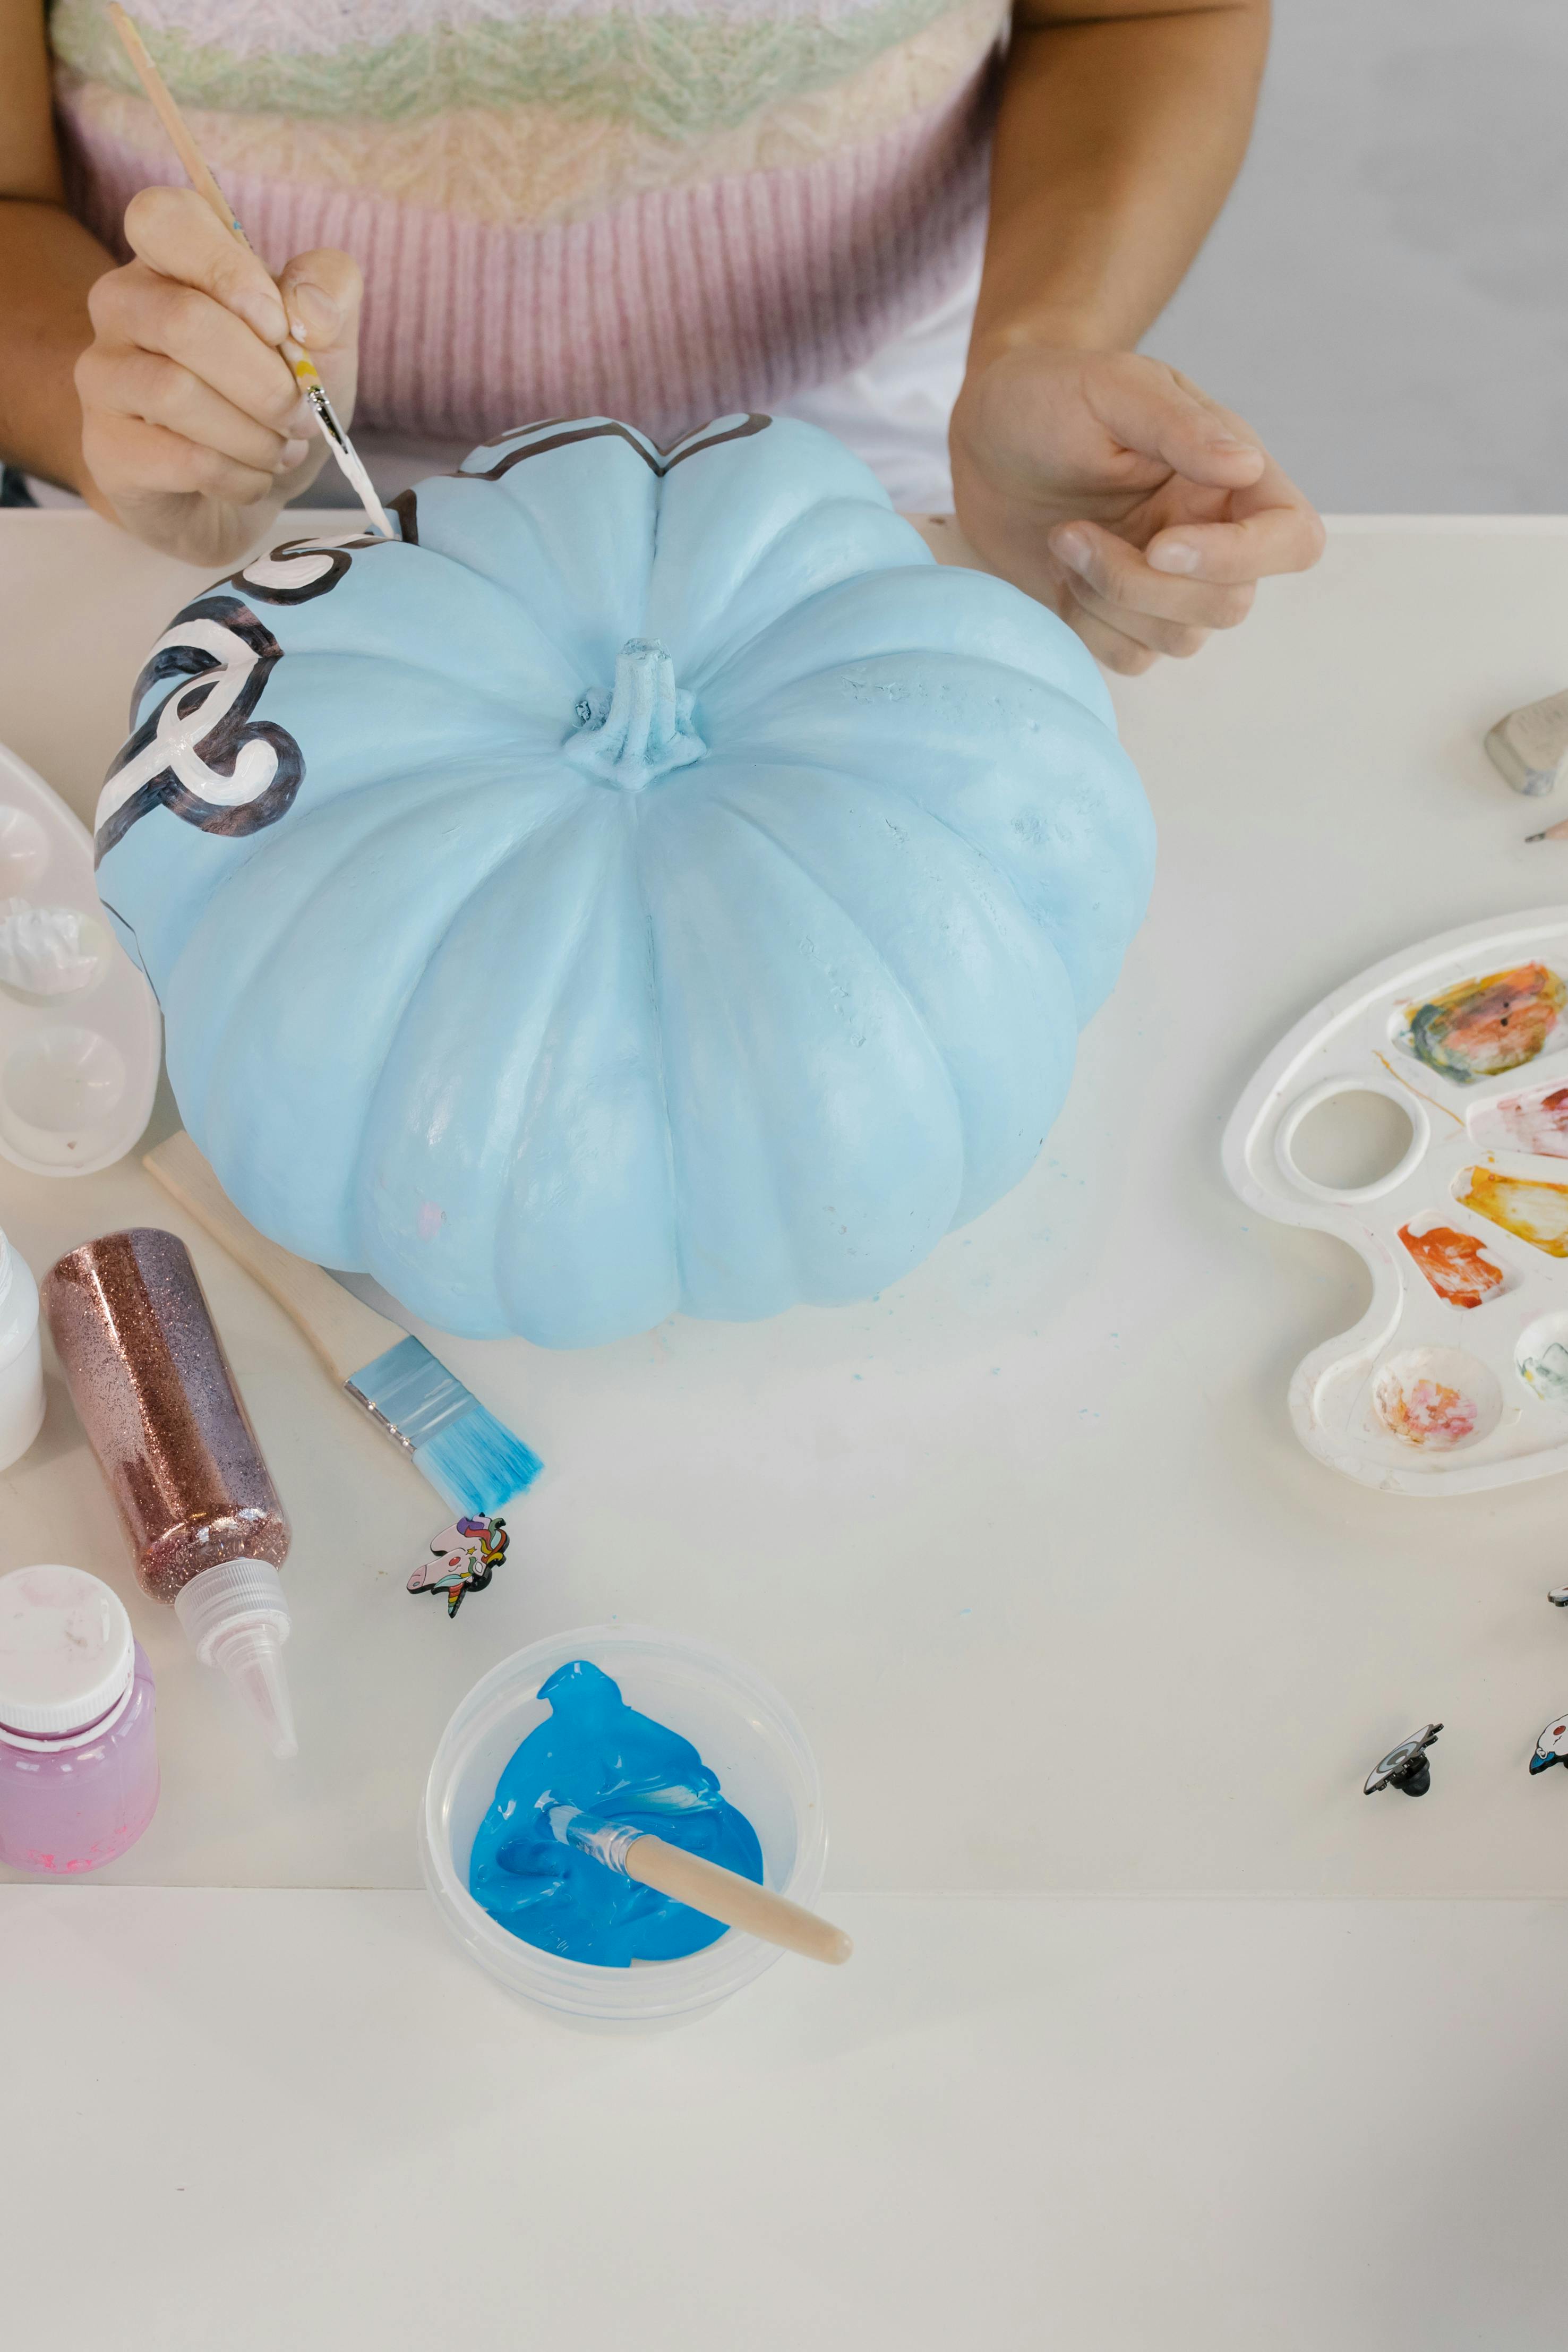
(188, 407)
(179, 237)
(194, 429)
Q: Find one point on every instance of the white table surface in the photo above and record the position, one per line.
(1070, 1620)
(1027, 1541)
(242, 2121)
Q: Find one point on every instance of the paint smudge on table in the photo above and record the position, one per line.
(1534, 1121)
(1532, 1212)
(1455, 1264)
(1479, 1028)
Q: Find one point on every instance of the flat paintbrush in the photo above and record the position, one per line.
(471, 1459)
(702, 1885)
(200, 178)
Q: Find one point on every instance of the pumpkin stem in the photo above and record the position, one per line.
(643, 728)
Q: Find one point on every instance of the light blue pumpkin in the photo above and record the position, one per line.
(651, 883)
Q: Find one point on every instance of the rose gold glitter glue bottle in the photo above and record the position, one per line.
(154, 1393)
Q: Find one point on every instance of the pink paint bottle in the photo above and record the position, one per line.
(78, 1756)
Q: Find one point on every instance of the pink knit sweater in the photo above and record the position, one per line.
(654, 209)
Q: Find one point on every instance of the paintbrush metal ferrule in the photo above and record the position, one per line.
(474, 1462)
(605, 1842)
(327, 416)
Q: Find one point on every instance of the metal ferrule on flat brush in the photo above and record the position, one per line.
(411, 1395)
(606, 1841)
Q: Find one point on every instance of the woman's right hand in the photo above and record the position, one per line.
(195, 432)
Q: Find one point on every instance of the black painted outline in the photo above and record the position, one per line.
(220, 748)
(338, 564)
(641, 443)
(340, 559)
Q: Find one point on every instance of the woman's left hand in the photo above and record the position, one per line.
(1112, 488)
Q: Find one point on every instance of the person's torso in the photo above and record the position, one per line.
(669, 207)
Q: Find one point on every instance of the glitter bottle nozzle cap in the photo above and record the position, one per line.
(236, 1619)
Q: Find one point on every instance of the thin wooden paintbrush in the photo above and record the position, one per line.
(206, 187)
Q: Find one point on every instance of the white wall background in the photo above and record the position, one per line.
(1385, 297)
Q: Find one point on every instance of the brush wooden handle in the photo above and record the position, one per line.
(169, 115)
(738, 1902)
(197, 169)
(345, 1333)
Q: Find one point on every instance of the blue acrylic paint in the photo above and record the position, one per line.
(595, 1752)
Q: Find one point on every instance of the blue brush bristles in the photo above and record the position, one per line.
(477, 1462)
(473, 1461)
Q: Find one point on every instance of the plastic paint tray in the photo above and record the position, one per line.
(78, 1072)
(1457, 1376)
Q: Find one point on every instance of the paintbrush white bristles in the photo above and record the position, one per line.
(350, 461)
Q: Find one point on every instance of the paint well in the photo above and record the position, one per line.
(1541, 1359)
(1481, 1028)
(1350, 1140)
(1454, 1263)
(1548, 1372)
(1535, 1120)
(1436, 1399)
(1531, 1211)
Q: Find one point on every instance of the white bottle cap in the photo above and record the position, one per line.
(67, 1651)
(236, 1619)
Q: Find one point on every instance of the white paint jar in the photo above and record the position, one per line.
(21, 1361)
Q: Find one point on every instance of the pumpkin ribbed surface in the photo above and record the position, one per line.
(651, 883)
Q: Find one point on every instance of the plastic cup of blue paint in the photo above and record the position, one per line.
(738, 1723)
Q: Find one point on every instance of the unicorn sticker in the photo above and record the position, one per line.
(464, 1558)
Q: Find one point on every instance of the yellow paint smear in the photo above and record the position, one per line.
(1533, 1213)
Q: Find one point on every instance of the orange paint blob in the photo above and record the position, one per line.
(1455, 1264)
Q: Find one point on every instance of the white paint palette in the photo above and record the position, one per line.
(78, 1055)
(1457, 1376)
